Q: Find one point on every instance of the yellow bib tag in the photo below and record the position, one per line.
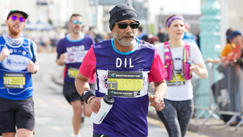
(179, 77)
(125, 84)
(14, 80)
(179, 80)
(72, 72)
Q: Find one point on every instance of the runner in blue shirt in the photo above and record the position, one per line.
(130, 64)
(17, 63)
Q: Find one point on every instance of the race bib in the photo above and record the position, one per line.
(75, 54)
(179, 81)
(125, 84)
(14, 80)
(72, 72)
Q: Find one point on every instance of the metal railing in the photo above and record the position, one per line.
(232, 103)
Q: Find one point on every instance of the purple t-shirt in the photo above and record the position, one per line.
(130, 73)
(75, 51)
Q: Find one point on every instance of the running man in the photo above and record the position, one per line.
(129, 64)
(70, 52)
(17, 63)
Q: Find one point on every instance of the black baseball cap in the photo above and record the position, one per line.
(18, 11)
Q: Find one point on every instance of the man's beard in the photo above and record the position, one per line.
(122, 42)
(76, 30)
(14, 32)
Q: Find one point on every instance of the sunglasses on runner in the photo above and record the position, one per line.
(123, 25)
(77, 22)
(21, 19)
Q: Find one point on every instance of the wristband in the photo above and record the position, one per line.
(86, 94)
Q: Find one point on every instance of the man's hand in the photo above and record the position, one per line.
(62, 59)
(31, 67)
(4, 53)
(94, 103)
(157, 102)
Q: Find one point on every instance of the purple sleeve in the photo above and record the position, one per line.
(60, 48)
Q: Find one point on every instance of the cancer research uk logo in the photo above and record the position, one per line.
(15, 62)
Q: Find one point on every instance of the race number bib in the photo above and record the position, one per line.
(179, 80)
(14, 80)
(72, 72)
(125, 84)
(75, 54)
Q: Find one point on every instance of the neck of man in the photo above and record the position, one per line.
(14, 36)
(175, 43)
(123, 48)
(75, 36)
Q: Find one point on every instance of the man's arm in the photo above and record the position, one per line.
(157, 100)
(160, 89)
(33, 67)
(157, 75)
(61, 53)
(81, 83)
(4, 53)
(86, 71)
(61, 60)
(82, 86)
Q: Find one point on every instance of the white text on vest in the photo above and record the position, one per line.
(126, 63)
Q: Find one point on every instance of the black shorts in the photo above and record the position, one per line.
(70, 92)
(16, 114)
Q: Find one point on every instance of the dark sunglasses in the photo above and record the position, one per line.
(123, 25)
(77, 22)
(21, 19)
